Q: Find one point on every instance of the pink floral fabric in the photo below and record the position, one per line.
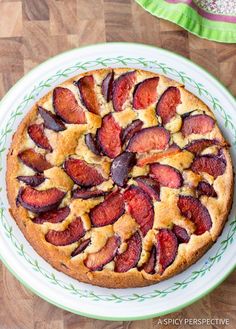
(216, 10)
(224, 7)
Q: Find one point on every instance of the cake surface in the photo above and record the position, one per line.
(120, 178)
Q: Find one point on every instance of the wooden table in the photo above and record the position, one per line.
(32, 31)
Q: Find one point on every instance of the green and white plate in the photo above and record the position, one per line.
(85, 299)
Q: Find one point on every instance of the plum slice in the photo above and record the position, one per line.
(40, 201)
(197, 146)
(149, 266)
(107, 85)
(145, 93)
(167, 247)
(108, 211)
(92, 144)
(205, 188)
(193, 209)
(84, 244)
(130, 257)
(150, 158)
(33, 181)
(36, 133)
(96, 261)
(51, 121)
(83, 173)
(147, 139)
(166, 175)
(71, 234)
(53, 216)
(131, 129)
(34, 160)
(150, 186)
(121, 167)
(109, 136)
(181, 234)
(139, 206)
(86, 86)
(210, 164)
(67, 107)
(84, 193)
(166, 106)
(121, 89)
(197, 124)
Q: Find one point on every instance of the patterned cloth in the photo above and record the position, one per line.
(210, 19)
(222, 7)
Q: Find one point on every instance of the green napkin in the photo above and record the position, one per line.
(209, 19)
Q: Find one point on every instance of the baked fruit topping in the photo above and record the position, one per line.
(205, 188)
(197, 146)
(167, 247)
(149, 266)
(51, 121)
(92, 144)
(83, 245)
(130, 257)
(197, 124)
(166, 106)
(109, 210)
(40, 201)
(131, 129)
(53, 216)
(36, 133)
(67, 107)
(82, 173)
(84, 193)
(121, 167)
(181, 234)
(34, 160)
(140, 207)
(96, 261)
(194, 210)
(107, 85)
(163, 253)
(210, 164)
(33, 181)
(71, 234)
(121, 90)
(166, 175)
(88, 95)
(147, 139)
(145, 93)
(109, 137)
(150, 186)
(120, 177)
(154, 157)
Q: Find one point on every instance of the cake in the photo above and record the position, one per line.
(120, 178)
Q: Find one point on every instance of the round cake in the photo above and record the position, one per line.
(120, 178)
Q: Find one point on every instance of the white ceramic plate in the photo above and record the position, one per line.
(85, 299)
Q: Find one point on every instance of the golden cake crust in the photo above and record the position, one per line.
(70, 142)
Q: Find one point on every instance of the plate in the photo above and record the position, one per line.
(84, 299)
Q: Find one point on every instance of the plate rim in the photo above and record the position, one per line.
(112, 318)
(115, 318)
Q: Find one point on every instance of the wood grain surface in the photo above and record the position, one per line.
(31, 31)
